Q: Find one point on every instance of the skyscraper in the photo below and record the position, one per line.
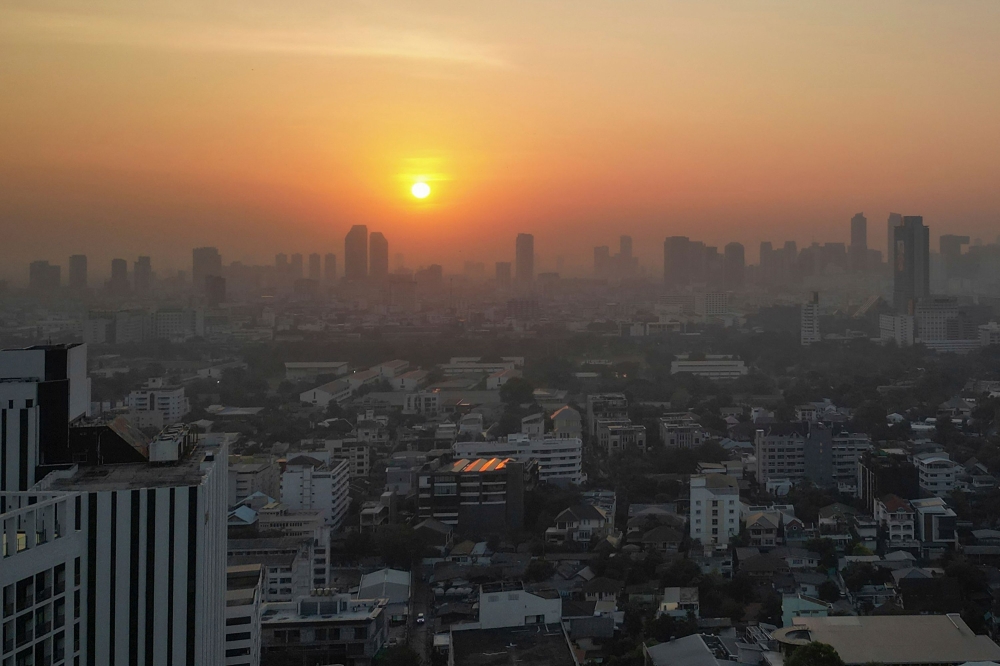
(676, 262)
(895, 220)
(378, 252)
(734, 264)
(525, 258)
(858, 252)
(356, 253)
(142, 275)
(911, 263)
(43, 276)
(118, 284)
(295, 266)
(503, 274)
(330, 268)
(78, 271)
(315, 267)
(809, 322)
(205, 261)
(281, 263)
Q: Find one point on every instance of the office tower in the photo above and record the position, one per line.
(602, 261)
(330, 268)
(315, 267)
(281, 263)
(911, 264)
(118, 283)
(895, 220)
(295, 266)
(625, 248)
(215, 290)
(43, 276)
(78, 271)
(378, 249)
(142, 275)
(859, 243)
(42, 389)
(950, 247)
(205, 261)
(809, 324)
(503, 274)
(356, 253)
(734, 265)
(525, 258)
(676, 261)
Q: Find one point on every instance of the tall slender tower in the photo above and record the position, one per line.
(378, 256)
(733, 265)
(911, 279)
(858, 251)
(356, 253)
(525, 258)
(315, 267)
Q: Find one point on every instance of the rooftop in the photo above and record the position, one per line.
(539, 645)
(131, 476)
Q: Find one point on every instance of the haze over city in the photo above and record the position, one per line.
(256, 128)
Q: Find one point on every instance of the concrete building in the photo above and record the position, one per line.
(326, 629)
(937, 472)
(308, 483)
(244, 591)
(605, 406)
(356, 253)
(580, 524)
(614, 438)
(300, 371)
(480, 496)
(682, 431)
(898, 519)
(205, 262)
(378, 252)
(718, 367)
(249, 475)
(566, 423)
(911, 272)
(336, 391)
(714, 513)
(78, 272)
(525, 258)
(560, 461)
(392, 585)
(809, 326)
(292, 566)
(936, 526)
(827, 456)
(510, 605)
(157, 404)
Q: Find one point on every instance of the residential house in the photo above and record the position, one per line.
(679, 601)
(579, 524)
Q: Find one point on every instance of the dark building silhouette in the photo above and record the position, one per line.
(330, 268)
(296, 266)
(895, 220)
(602, 261)
(378, 256)
(734, 265)
(950, 247)
(43, 276)
(503, 274)
(118, 284)
(215, 290)
(356, 253)
(78, 271)
(911, 275)
(858, 252)
(676, 261)
(525, 258)
(142, 275)
(205, 261)
(315, 267)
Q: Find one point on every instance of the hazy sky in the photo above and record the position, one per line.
(148, 128)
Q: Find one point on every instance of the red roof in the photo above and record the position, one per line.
(894, 503)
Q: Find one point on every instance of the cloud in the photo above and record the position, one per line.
(345, 40)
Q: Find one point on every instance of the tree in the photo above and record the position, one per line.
(814, 654)
(517, 391)
(829, 592)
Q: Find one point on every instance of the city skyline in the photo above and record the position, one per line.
(731, 123)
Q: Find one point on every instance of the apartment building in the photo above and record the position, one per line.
(897, 517)
(157, 404)
(790, 452)
(681, 431)
(605, 406)
(615, 438)
(308, 483)
(937, 472)
(244, 591)
(560, 461)
(714, 512)
(249, 475)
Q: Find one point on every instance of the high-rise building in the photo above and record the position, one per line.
(78, 271)
(858, 253)
(734, 265)
(43, 276)
(356, 253)
(281, 262)
(809, 325)
(315, 267)
(205, 261)
(525, 258)
(118, 283)
(911, 263)
(950, 247)
(503, 274)
(330, 268)
(378, 252)
(676, 261)
(895, 220)
(142, 275)
(296, 267)
(602, 261)
(625, 248)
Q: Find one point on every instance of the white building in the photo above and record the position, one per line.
(335, 391)
(509, 605)
(809, 325)
(937, 472)
(308, 483)
(243, 599)
(715, 511)
(391, 369)
(157, 405)
(298, 371)
(989, 334)
(409, 381)
(898, 328)
(718, 367)
(560, 461)
(615, 438)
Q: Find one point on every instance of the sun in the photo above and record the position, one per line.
(420, 190)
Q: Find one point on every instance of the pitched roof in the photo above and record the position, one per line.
(662, 534)
(305, 461)
(581, 512)
(602, 585)
(894, 503)
(762, 520)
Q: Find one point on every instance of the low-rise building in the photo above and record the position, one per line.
(157, 404)
(560, 461)
(937, 472)
(714, 512)
(719, 367)
(615, 438)
(336, 391)
(605, 406)
(936, 526)
(898, 519)
(300, 371)
(679, 601)
(510, 605)
(579, 524)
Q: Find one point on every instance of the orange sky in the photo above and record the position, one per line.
(148, 128)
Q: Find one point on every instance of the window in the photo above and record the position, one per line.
(235, 621)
